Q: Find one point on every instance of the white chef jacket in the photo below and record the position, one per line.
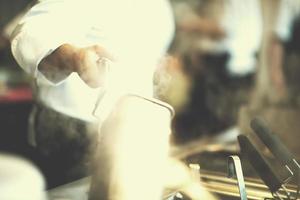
(242, 23)
(288, 11)
(137, 32)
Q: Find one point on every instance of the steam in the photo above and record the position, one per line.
(171, 84)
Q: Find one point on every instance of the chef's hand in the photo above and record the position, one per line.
(88, 62)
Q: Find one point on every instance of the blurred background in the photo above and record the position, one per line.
(229, 61)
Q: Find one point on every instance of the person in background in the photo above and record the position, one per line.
(75, 51)
(283, 50)
(218, 42)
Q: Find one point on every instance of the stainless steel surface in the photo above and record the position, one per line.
(77, 190)
(213, 174)
(219, 184)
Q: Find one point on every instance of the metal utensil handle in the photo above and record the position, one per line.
(235, 169)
